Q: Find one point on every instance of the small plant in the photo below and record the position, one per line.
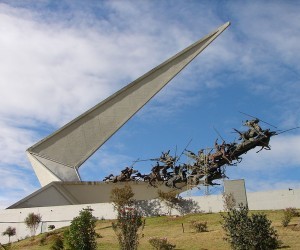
(199, 226)
(249, 232)
(32, 221)
(292, 211)
(127, 228)
(122, 197)
(81, 234)
(229, 202)
(51, 227)
(10, 231)
(287, 217)
(288, 214)
(161, 243)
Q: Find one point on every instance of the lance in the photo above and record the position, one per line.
(258, 118)
(134, 162)
(184, 149)
(147, 160)
(287, 130)
(219, 134)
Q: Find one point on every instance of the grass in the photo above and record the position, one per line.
(172, 228)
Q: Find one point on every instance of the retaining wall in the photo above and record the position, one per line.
(61, 216)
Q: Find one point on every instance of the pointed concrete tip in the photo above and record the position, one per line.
(222, 27)
(225, 25)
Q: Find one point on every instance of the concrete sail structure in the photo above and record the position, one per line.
(58, 156)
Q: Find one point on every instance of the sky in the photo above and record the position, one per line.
(60, 58)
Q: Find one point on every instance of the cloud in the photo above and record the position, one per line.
(58, 60)
(15, 185)
(13, 142)
(283, 154)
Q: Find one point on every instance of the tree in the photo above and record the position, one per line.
(127, 227)
(129, 219)
(170, 199)
(249, 232)
(122, 197)
(32, 221)
(229, 201)
(82, 234)
(10, 231)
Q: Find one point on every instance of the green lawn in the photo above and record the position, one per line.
(172, 228)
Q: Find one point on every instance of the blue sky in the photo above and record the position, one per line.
(60, 58)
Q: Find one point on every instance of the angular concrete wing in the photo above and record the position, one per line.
(58, 156)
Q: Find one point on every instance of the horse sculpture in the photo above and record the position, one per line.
(205, 167)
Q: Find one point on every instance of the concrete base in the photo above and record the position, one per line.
(62, 215)
(75, 192)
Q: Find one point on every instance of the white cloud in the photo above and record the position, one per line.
(15, 185)
(13, 142)
(284, 153)
(55, 64)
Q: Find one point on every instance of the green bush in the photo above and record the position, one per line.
(51, 227)
(161, 243)
(245, 232)
(127, 228)
(199, 226)
(292, 211)
(81, 234)
(229, 202)
(288, 214)
(286, 219)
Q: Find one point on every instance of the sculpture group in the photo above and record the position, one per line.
(203, 167)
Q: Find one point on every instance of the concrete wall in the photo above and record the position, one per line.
(278, 199)
(62, 215)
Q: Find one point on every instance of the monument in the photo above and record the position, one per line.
(57, 158)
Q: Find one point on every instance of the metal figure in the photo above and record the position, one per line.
(205, 168)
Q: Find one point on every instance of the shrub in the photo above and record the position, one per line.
(249, 232)
(229, 202)
(292, 211)
(161, 243)
(122, 197)
(127, 226)
(10, 231)
(286, 219)
(288, 214)
(81, 234)
(51, 227)
(199, 226)
(32, 221)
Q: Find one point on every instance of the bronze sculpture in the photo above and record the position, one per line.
(204, 167)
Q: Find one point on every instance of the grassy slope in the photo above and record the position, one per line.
(172, 229)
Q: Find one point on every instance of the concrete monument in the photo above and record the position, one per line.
(57, 158)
